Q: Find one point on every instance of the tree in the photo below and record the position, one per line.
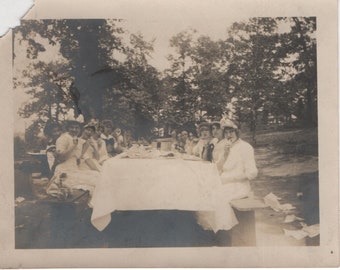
(210, 59)
(49, 86)
(197, 86)
(87, 45)
(135, 102)
(183, 96)
(110, 79)
(299, 48)
(251, 67)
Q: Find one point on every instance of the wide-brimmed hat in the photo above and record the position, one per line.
(91, 125)
(215, 123)
(106, 123)
(69, 123)
(203, 124)
(227, 123)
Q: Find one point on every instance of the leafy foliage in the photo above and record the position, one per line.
(262, 72)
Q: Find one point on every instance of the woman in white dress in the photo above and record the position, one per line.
(238, 169)
(94, 151)
(67, 173)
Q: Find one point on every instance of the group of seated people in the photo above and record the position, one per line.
(219, 143)
(79, 152)
(91, 144)
(215, 142)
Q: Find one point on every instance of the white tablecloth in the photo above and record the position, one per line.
(154, 184)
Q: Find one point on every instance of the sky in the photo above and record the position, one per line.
(159, 20)
(153, 23)
(212, 21)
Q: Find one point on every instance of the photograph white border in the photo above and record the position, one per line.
(325, 255)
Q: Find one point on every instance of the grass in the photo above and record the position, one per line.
(288, 164)
(299, 142)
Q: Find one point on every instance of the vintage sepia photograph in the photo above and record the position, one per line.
(126, 139)
(184, 134)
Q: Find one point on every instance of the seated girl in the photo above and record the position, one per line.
(199, 149)
(112, 146)
(94, 151)
(67, 173)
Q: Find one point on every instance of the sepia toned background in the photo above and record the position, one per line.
(219, 254)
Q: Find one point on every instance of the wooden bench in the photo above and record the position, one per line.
(244, 233)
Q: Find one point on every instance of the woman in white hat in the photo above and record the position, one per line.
(239, 166)
(237, 170)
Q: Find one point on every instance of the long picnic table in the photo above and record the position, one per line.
(153, 184)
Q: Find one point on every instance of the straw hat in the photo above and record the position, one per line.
(227, 123)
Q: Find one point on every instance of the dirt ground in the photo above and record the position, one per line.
(288, 166)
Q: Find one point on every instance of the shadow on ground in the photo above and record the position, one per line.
(57, 226)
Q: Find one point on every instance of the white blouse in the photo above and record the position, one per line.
(240, 164)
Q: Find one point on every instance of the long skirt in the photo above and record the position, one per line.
(68, 176)
(223, 218)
